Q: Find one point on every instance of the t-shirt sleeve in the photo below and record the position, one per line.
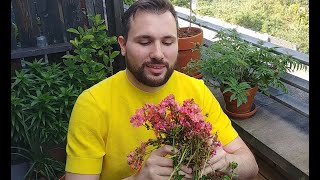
(85, 142)
(219, 120)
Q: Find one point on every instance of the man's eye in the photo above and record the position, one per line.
(167, 43)
(144, 43)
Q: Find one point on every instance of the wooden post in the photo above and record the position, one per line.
(26, 22)
(114, 10)
(52, 25)
(72, 15)
(13, 31)
(13, 38)
(94, 7)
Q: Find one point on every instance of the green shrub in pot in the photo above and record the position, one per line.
(39, 117)
(40, 164)
(236, 65)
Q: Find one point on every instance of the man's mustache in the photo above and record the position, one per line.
(156, 61)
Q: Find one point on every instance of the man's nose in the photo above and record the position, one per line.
(156, 51)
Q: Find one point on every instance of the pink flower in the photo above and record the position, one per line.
(139, 118)
(184, 127)
(135, 158)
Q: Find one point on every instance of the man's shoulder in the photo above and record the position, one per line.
(105, 86)
(186, 78)
(186, 85)
(107, 82)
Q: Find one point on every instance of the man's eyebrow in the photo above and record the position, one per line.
(143, 37)
(150, 37)
(169, 37)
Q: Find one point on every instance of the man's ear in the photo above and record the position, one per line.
(122, 43)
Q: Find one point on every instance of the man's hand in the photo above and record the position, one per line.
(217, 162)
(236, 151)
(158, 167)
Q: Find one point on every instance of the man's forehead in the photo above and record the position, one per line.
(146, 13)
(155, 25)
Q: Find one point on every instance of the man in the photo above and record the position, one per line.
(100, 135)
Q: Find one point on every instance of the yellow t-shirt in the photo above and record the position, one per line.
(100, 135)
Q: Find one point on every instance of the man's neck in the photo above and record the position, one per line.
(140, 85)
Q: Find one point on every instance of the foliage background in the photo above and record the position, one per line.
(284, 19)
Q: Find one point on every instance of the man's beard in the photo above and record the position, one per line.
(138, 73)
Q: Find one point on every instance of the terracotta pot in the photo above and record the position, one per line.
(187, 49)
(231, 107)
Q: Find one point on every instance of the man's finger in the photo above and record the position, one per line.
(159, 161)
(220, 153)
(163, 151)
(186, 175)
(186, 169)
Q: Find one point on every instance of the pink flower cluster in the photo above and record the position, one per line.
(182, 127)
(135, 158)
(169, 115)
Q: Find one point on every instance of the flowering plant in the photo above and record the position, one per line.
(182, 127)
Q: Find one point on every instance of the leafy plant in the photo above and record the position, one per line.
(43, 95)
(182, 3)
(237, 65)
(93, 54)
(40, 163)
(17, 117)
(284, 19)
(34, 103)
(128, 2)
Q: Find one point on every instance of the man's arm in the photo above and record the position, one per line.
(238, 152)
(72, 176)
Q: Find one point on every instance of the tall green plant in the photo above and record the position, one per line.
(238, 65)
(36, 122)
(34, 102)
(40, 163)
(43, 95)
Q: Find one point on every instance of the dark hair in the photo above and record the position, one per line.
(152, 6)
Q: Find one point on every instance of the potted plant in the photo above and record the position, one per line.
(190, 39)
(40, 163)
(239, 69)
(38, 113)
(43, 95)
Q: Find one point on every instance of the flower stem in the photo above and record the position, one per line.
(177, 167)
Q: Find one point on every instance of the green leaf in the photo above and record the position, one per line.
(51, 109)
(68, 56)
(102, 27)
(88, 37)
(193, 18)
(85, 70)
(83, 56)
(114, 54)
(80, 29)
(97, 18)
(72, 30)
(95, 46)
(101, 52)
